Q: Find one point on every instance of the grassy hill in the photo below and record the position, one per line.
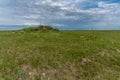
(60, 55)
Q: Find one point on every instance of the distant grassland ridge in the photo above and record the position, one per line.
(40, 28)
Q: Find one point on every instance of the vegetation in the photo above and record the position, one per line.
(40, 28)
(60, 55)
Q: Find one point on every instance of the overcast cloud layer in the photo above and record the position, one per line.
(64, 14)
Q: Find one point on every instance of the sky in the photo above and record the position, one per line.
(63, 14)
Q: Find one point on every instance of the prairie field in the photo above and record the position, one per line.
(60, 55)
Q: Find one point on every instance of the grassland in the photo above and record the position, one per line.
(60, 55)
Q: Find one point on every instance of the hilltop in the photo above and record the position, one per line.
(40, 28)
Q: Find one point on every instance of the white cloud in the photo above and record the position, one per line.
(59, 10)
(56, 24)
(31, 23)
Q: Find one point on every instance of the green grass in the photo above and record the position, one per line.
(62, 55)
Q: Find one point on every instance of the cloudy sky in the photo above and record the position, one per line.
(64, 14)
